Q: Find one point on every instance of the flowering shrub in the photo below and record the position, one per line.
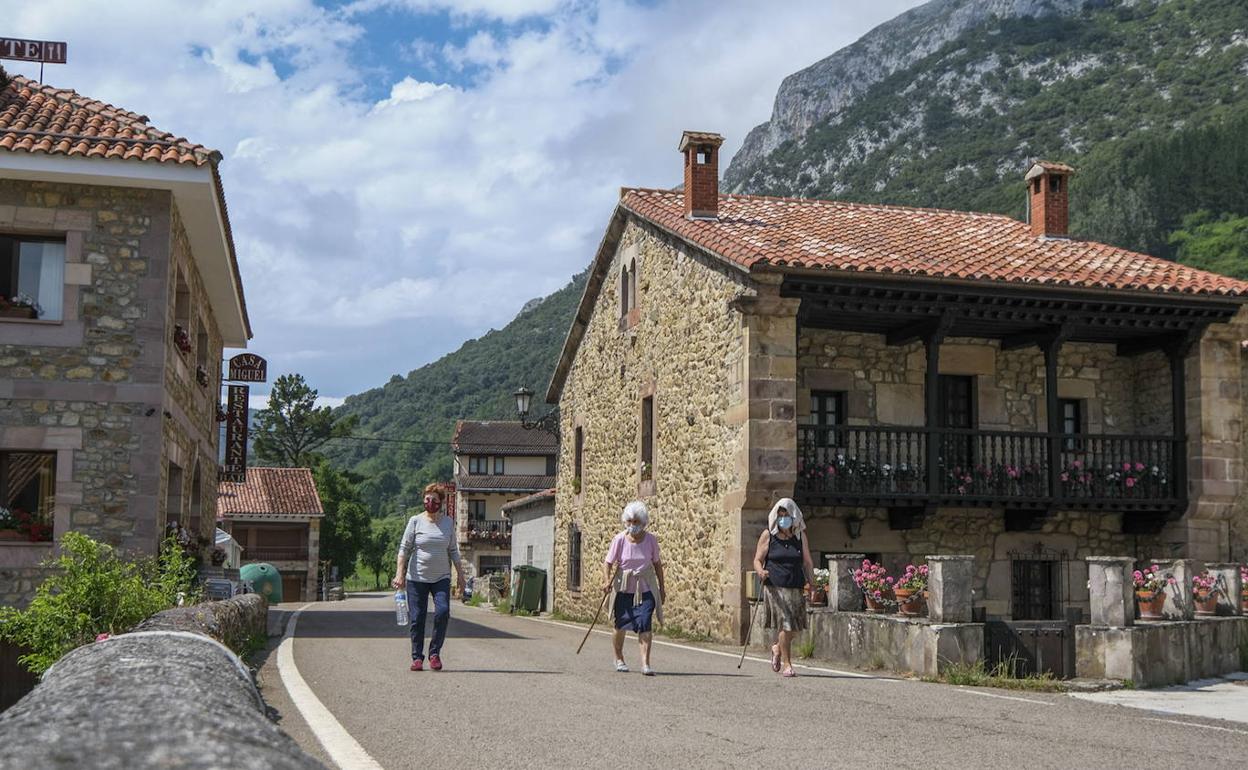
(844, 472)
(1243, 578)
(1203, 583)
(873, 579)
(181, 338)
(822, 576)
(999, 478)
(1151, 579)
(26, 524)
(913, 579)
(1115, 478)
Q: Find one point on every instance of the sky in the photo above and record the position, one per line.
(403, 175)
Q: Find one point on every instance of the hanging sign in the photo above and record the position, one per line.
(248, 367)
(43, 51)
(234, 468)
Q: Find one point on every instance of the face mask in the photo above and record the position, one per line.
(635, 529)
(784, 522)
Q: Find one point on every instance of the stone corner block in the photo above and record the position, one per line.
(844, 595)
(950, 597)
(1111, 591)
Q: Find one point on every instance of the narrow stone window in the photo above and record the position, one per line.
(827, 412)
(173, 498)
(578, 459)
(574, 558)
(632, 284)
(201, 347)
(528, 555)
(647, 438)
(624, 296)
(197, 501)
(1072, 412)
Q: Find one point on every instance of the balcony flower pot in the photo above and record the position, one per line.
(1243, 602)
(1206, 603)
(11, 534)
(18, 311)
(875, 604)
(910, 602)
(1150, 604)
(817, 597)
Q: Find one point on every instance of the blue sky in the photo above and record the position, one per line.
(403, 175)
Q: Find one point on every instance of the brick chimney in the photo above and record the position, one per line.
(1047, 193)
(701, 150)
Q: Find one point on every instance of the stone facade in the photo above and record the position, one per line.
(100, 387)
(686, 347)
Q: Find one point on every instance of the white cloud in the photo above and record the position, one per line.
(382, 217)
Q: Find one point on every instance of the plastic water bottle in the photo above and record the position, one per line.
(400, 608)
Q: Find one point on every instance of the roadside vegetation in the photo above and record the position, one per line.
(1000, 676)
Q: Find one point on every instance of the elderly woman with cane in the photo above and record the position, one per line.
(782, 561)
(426, 553)
(633, 560)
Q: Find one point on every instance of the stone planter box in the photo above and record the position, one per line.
(1159, 653)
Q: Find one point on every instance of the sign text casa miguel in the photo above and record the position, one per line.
(244, 367)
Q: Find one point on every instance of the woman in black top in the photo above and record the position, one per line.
(782, 561)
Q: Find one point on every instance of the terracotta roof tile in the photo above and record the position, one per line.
(503, 483)
(270, 493)
(501, 438)
(533, 499)
(753, 231)
(40, 119)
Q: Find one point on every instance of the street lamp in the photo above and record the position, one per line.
(548, 422)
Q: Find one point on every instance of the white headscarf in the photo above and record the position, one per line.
(787, 504)
(635, 510)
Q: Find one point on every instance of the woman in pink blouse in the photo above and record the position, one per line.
(636, 553)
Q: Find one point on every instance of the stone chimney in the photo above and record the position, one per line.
(1047, 193)
(701, 150)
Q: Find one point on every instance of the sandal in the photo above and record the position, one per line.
(775, 658)
(789, 672)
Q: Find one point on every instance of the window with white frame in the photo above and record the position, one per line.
(32, 278)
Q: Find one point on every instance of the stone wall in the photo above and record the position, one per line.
(95, 387)
(685, 345)
(1157, 654)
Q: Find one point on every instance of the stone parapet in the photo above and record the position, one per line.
(233, 622)
(1180, 605)
(1160, 653)
(1111, 592)
(949, 588)
(1229, 587)
(844, 595)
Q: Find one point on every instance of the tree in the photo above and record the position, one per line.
(293, 427)
(1213, 243)
(382, 544)
(345, 528)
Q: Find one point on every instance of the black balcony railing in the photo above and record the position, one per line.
(489, 529)
(883, 464)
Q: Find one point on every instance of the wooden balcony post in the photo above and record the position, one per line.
(1177, 354)
(931, 399)
(1052, 348)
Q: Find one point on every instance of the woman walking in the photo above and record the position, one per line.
(782, 561)
(633, 559)
(426, 553)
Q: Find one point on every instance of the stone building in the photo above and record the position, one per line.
(920, 381)
(275, 515)
(533, 535)
(495, 463)
(115, 241)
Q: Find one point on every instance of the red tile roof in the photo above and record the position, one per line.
(38, 118)
(754, 231)
(469, 483)
(525, 502)
(270, 493)
(501, 438)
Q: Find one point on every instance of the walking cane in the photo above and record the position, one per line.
(750, 628)
(601, 604)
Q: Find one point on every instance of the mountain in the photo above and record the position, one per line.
(946, 105)
(410, 419)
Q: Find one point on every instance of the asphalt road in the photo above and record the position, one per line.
(514, 694)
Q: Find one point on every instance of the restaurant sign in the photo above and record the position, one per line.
(248, 367)
(234, 467)
(44, 51)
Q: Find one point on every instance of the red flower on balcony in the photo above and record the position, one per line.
(182, 338)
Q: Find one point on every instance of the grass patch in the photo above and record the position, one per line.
(251, 645)
(978, 675)
(503, 606)
(676, 632)
(476, 600)
(523, 613)
(1128, 684)
(876, 663)
(805, 649)
(571, 618)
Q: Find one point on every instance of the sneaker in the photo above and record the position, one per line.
(418, 665)
(435, 662)
(621, 667)
(647, 671)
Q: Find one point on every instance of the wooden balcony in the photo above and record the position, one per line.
(276, 553)
(490, 530)
(904, 467)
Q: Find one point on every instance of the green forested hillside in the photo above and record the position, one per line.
(418, 412)
(1147, 100)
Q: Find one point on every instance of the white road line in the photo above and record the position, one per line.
(1004, 697)
(338, 743)
(854, 674)
(1195, 724)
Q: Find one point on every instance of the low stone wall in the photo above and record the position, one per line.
(1159, 653)
(892, 642)
(232, 622)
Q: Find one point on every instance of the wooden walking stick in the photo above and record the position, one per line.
(601, 604)
(749, 629)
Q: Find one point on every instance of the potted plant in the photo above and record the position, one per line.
(1150, 591)
(217, 556)
(8, 525)
(876, 585)
(181, 338)
(818, 595)
(1203, 591)
(909, 590)
(19, 306)
(1243, 591)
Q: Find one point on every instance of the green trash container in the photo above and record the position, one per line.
(264, 579)
(529, 588)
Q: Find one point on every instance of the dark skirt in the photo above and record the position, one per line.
(629, 616)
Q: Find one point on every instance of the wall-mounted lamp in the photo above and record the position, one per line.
(853, 527)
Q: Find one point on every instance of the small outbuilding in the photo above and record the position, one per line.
(533, 534)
